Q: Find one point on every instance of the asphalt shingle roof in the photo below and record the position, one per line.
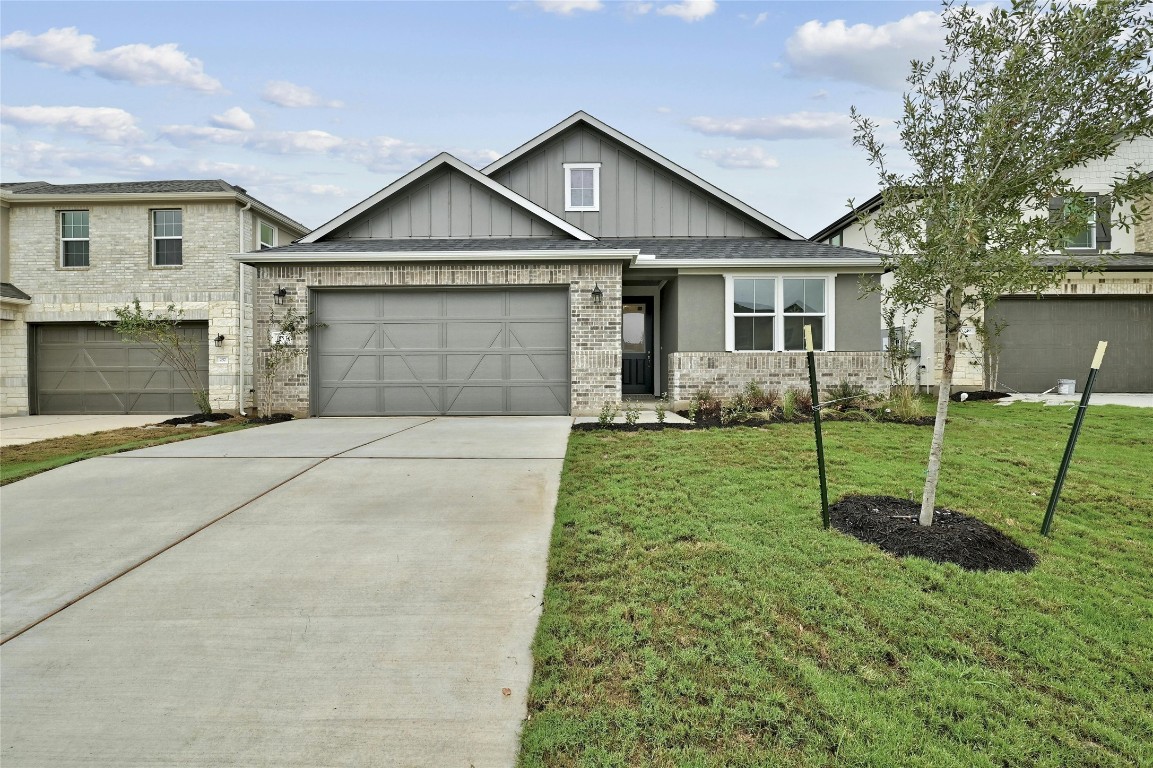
(9, 291)
(753, 248)
(123, 187)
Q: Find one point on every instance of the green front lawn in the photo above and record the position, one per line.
(697, 615)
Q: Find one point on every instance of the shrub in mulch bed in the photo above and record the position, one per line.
(272, 418)
(196, 418)
(714, 422)
(980, 394)
(954, 537)
(593, 426)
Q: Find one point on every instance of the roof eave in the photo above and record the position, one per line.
(654, 263)
(604, 254)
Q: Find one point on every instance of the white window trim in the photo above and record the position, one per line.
(63, 239)
(260, 245)
(1091, 200)
(568, 169)
(830, 279)
(152, 227)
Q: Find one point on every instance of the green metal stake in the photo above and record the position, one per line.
(817, 424)
(1073, 437)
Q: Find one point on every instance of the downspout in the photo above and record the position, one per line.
(242, 393)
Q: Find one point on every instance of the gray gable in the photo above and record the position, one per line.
(637, 199)
(445, 204)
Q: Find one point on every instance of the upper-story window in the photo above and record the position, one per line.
(74, 238)
(582, 184)
(1086, 238)
(769, 314)
(168, 238)
(267, 236)
(837, 239)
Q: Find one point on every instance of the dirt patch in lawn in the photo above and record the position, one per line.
(980, 394)
(954, 537)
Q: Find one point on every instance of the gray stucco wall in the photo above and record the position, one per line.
(446, 205)
(858, 315)
(637, 198)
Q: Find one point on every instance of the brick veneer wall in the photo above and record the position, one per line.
(13, 362)
(120, 244)
(726, 373)
(595, 329)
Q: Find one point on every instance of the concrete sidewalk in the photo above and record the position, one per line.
(17, 430)
(371, 589)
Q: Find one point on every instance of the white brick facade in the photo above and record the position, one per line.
(205, 286)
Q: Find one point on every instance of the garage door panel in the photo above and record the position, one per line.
(474, 335)
(1055, 337)
(401, 400)
(536, 304)
(537, 335)
(538, 367)
(459, 345)
(474, 367)
(410, 336)
(476, 305)
(530, 399)
(351, 400)
(474, 400)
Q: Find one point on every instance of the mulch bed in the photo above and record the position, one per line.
(980, 394)
(272, 418)
(714, 422)
(954, 537)
(197, 418)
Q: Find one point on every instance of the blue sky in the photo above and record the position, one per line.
(313, 106)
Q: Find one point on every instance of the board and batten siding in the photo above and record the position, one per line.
(637, 198)
(446, 205)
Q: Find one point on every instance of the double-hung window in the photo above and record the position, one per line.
(769, 314)
(167, 238)
(267, 236)
(1086, 238)
(582, 185)
(74, 238)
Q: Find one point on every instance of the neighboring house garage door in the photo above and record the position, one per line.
(90, 369)
(459, 352)
(1054, 338)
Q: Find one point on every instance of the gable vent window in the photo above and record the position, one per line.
(582, 182)
(74, 238)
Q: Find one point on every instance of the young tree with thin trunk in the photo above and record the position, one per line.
(1017, 99)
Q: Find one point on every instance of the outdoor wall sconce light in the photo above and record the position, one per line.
(279, 294)
(219, 340)
(598, 294)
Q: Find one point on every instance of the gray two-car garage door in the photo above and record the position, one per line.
(388, 352)
(1054, 338)
(88, 368)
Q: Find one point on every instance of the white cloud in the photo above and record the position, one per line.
(189, 135)
(664, 110)
(139, 64)
(270, 142)
(797, 125)
(761, 18)
(689, 10)
(104, 123)
(820, 94)
(38, 159)
(874, 55)
(569, 7)
(235, 118)
(319, 190)
(740, 158)
(285, 94)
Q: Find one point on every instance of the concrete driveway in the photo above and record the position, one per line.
(336, 592)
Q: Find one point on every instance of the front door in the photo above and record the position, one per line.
(637, 345)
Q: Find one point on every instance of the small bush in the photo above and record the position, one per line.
(846, 396)
(608, 413)
(632, 413)
(704, 406)
(662, 408)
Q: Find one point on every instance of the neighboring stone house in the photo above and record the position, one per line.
(579, 268)
(1054, 337)
(74, 252)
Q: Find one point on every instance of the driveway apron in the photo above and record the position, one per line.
(341, 592)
